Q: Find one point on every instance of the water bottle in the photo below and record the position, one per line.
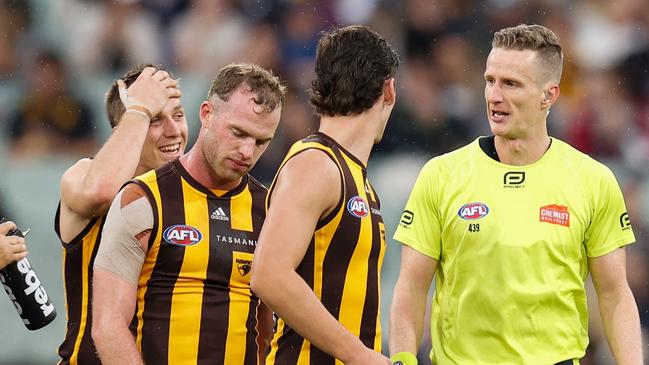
(26, 291)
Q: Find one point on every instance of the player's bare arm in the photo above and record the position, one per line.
(617, 307)
(89, 186)
(115, 277)
(264, 330)
(114, 306)
(307, 189)
(409, 300)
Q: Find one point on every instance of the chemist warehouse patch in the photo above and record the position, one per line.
(555, 214)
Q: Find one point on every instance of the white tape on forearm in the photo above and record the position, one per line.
(126, 99)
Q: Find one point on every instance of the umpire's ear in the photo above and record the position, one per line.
(550, 96)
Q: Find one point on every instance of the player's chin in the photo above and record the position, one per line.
(237, 173)
(228, 175)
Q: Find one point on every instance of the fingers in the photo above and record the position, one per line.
(6, 227)
(160, 75)
(155, 74)
(165, 79)
(169, 82)
(173, 92)
(151, 90)
(18, 249)
(147, 72)
(12, 248)
(12, 241)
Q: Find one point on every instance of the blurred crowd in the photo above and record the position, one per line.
(53, 52)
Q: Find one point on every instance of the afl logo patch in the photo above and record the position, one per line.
(358, 207)
(182, 235)
(473, 211)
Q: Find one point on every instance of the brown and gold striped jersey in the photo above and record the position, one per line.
(342, 264)
(194, 304)
(78, 259)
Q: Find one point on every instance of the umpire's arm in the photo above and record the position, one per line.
(409, 300)
(617, 306)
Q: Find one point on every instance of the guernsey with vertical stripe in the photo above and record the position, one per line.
(78, 261)
(342, 264)
(194, 304)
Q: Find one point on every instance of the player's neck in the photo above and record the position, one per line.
(198, 167)
(355, 133)
(141, 170)
(519, 152)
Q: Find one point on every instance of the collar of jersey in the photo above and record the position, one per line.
(180, 169)
(333, 142)
(548, 155)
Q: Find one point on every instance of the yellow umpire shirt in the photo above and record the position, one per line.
(512, 244)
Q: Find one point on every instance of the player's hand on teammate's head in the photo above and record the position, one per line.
(150, 90)
(12, 248)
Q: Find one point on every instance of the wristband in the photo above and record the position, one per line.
(404, 358)
(142, 109)
(138, 112)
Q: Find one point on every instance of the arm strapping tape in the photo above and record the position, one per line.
(120, 252)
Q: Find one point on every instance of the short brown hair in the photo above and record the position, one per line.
(537, 38)
(270, 93)
(114, 107)
(352, 64)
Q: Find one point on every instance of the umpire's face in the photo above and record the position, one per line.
(514, 93)
(235, 134)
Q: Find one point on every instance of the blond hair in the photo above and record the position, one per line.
(536, 38)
